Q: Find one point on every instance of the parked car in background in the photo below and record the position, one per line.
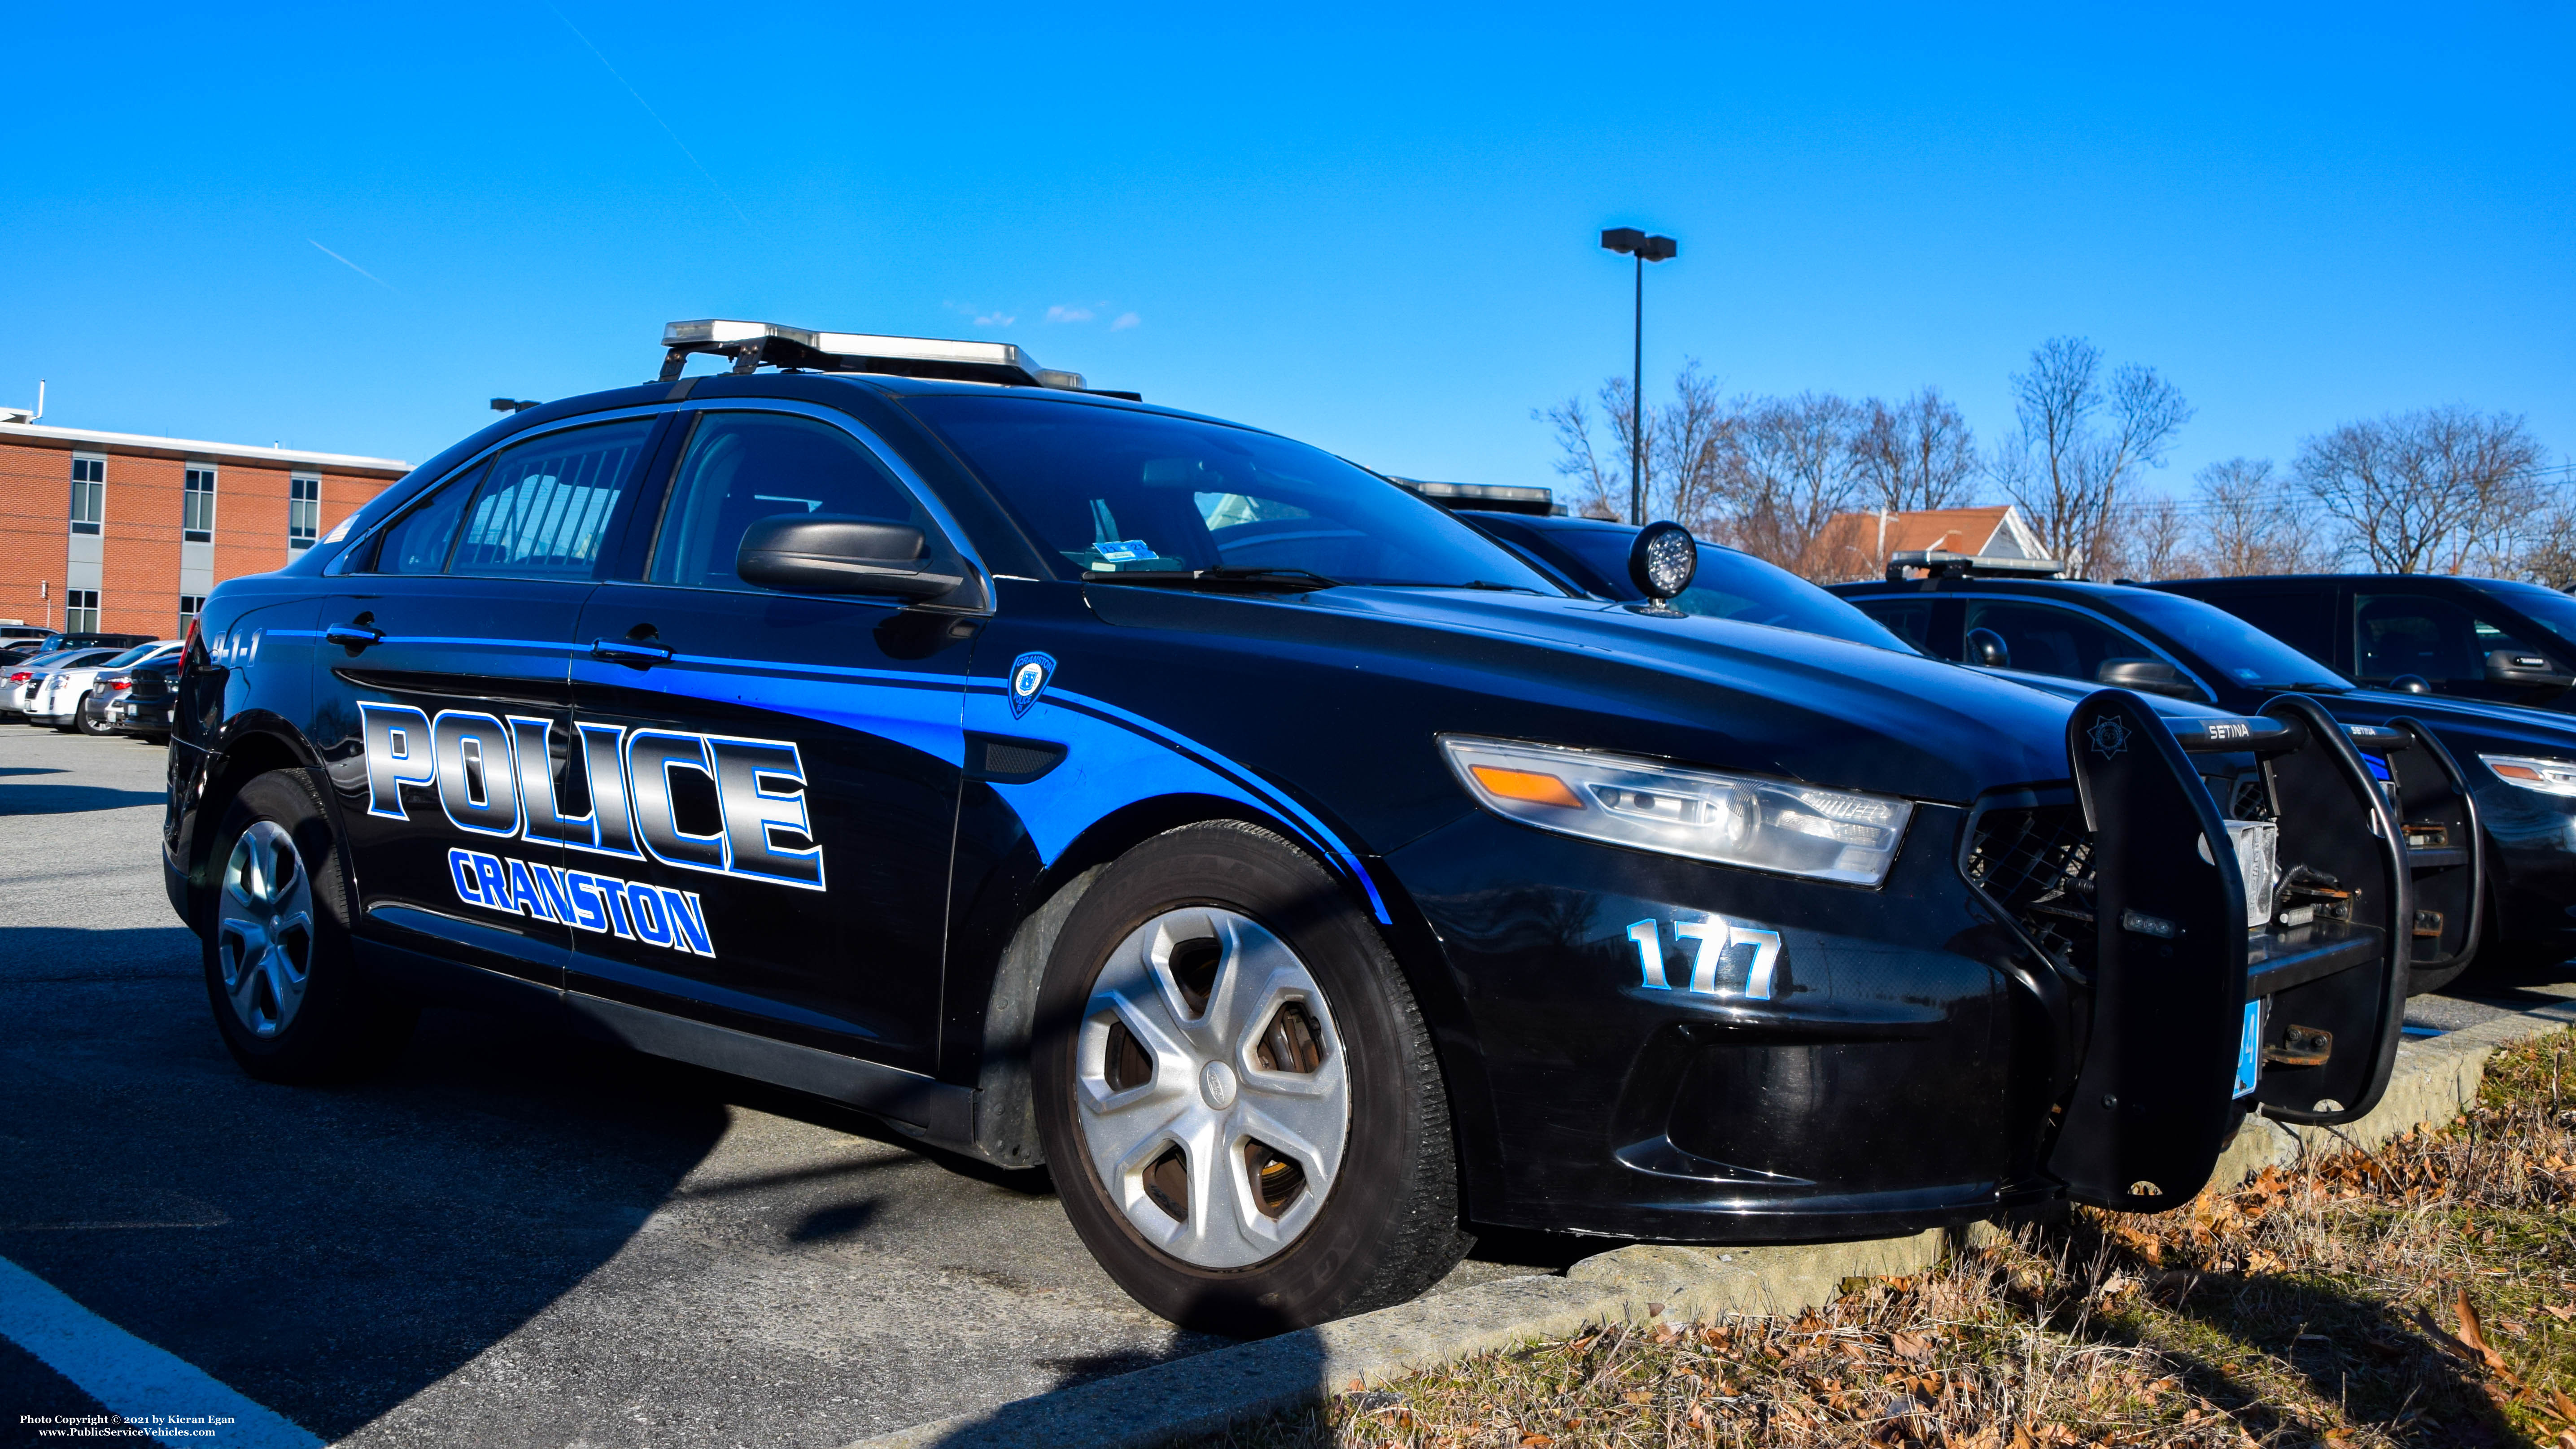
(2161, 641)
(18, 691)
(144, 706)
(2493, 640)
(97, 707)
(65, 691)
(95, 641)
(19, 651)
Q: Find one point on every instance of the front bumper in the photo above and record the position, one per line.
(1915, 1059)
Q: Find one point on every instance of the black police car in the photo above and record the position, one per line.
(2504, 888)
(2497, 640)
(1297, 873)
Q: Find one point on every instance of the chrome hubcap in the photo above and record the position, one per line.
(264, 929)
(1211, 1088)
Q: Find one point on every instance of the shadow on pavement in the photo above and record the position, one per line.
(329, 1252)
(21, 799)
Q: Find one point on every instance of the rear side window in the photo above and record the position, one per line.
(1907, 619)
(544, 506)
(743, 467)
(2300, 618)
(418, 542)
(2044, 639)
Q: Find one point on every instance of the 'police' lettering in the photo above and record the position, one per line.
(503, 778)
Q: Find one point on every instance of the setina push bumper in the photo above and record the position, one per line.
(2247, 956)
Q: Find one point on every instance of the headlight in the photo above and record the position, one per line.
(2531, 772)
(1730, 819)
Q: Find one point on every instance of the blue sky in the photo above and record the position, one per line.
(1373, 229)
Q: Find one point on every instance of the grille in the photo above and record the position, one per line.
(2251, 801)
(2038, 864)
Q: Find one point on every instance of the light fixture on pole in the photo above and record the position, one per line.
(1628, 241)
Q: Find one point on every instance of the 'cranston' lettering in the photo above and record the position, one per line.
(500, 778)
(600, 904)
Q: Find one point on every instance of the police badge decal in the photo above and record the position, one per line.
(1029, 675)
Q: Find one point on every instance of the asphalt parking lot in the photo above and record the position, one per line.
(512, 1237)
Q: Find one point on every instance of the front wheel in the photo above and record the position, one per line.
(285, 988)
(82, 722)
(1238, 1097)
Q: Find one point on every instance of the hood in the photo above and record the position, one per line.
(1698, 690)
(2545, 731)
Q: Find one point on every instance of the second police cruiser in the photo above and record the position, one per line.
(1301, 876)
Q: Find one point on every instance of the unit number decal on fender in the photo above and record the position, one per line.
(1714, 960)
(495, 777)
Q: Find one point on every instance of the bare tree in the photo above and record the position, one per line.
(1917, 454)
(1694, 441)
(1687, 444)
(1793, 470)
(2082, 438)
(2149, 540)
(1600, 482)
(2432, 491)
(2245, 527)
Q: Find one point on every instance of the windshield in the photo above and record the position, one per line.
(2236, 649)
(2548, 608)
(1107, 491)
(135, 655)
(40, 661)
(1730, 585)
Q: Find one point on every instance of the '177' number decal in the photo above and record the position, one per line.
(1715, 937)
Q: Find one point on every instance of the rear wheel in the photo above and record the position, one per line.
(1237, 1094)
(82, 721)
(285, 989)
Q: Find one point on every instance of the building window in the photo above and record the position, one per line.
(89, 492)
(303, 511)
(190, 606)
(80, 611)
(197, 508)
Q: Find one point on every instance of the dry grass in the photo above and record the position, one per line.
(2424, 1294)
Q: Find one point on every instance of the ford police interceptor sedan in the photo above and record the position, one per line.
(1294, 871)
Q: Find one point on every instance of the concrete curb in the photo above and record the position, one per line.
(2434, 1078)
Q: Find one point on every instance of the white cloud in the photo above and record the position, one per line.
(1068, 314)
(1125, 321)
(997, 319)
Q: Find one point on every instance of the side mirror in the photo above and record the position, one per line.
(2147, 676)
(1987, 649)
(821, 553)
(2411, 684)
(1663, 560)
(2526, 670)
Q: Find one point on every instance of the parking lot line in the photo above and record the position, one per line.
(158, 1392)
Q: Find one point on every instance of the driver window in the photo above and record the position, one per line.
(743, 467)
(2044, 639)
(2396, 634)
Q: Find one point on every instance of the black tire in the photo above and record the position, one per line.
(340, 1025)
(80, 720)
(1389, 1226)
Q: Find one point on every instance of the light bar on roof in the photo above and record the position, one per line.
(750, 344)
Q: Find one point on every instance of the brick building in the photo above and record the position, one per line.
(129, 533)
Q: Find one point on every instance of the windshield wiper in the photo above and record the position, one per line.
(1231, 579)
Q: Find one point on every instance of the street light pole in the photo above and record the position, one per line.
(1629, 241)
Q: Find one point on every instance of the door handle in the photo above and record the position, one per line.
(353, 636)
(622, 651)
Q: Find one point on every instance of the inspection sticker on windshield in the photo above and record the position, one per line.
(2249, 1050)
(1127, 551)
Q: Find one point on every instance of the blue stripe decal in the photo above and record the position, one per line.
(1115, 757)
